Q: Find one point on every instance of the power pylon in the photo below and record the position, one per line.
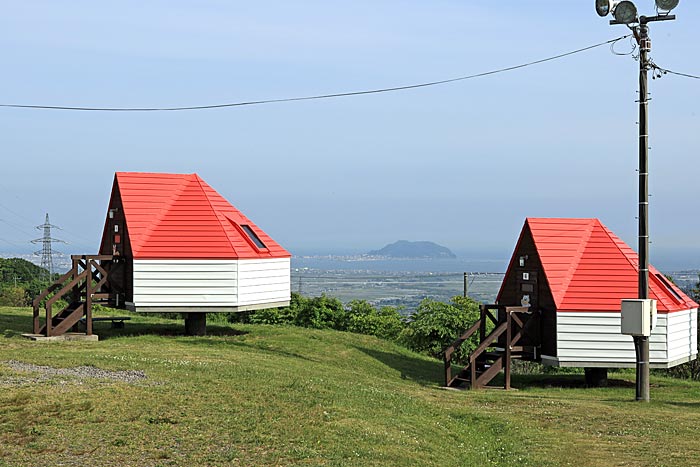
(46, 251)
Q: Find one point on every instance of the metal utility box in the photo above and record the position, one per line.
(638, 316)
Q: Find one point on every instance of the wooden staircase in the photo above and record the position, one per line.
(85, 284)
(497, 347)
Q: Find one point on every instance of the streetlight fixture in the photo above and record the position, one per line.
(625, 12)
(666, 5)
(603, 7)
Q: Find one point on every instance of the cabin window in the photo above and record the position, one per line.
(668, 286)
(253, 236)
(527, 287)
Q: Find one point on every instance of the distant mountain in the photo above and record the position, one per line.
(406, 249)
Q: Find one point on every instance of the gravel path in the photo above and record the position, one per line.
(78, 372)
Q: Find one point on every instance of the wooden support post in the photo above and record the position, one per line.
(506, 356)
(36, 326)
(482, 327)
(48, 319)
(448, 370)
(88, 298)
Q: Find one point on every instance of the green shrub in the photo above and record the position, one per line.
(320, 312)
(435, 325)
(13, 295)
(363, 318)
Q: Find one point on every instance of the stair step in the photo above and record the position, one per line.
(492, 355)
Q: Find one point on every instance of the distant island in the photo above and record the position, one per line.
(406, 249)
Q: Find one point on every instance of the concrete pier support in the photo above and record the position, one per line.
(196, 324)
(596, 377)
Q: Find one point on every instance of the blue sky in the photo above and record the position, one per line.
(461, 164)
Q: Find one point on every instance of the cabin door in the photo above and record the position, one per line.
(117, 268)
(528, 292)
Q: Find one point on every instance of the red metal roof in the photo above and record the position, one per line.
(588, 268)
(171, 216)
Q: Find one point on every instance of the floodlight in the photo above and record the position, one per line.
(666, 5)
(603, 7)
(625, 12)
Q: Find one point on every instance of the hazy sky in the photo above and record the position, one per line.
(461, 164)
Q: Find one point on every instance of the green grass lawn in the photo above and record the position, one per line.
(265, 395)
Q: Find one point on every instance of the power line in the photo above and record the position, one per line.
(664, 71)
(316, 97)
(15, 226)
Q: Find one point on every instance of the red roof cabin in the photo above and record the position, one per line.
(560, 303)
(188, 249)
(575, 273)
(170, 243)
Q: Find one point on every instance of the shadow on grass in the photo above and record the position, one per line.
(421, 371)
(17, 323)
(690, 405)
(256, 347)
(105, 331)
(545, 381)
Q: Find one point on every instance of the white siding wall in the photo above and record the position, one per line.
(210, 283)
(595, 338)
(682, 334)
(263, 281)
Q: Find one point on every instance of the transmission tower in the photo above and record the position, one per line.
(46, 251)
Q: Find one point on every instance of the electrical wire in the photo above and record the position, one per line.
(667, 71)
(633, 44)
(316, 97)
(17, 227)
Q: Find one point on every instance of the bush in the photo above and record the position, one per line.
(363, 318)
(13, 295)
(435, 325)
(319, 312)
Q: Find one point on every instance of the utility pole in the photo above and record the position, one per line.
(625, 12)
(641, 343)
(466, 284)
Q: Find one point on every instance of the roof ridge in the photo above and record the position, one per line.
(146, 236)
(579, 254)
(617, 241)
(215, 211)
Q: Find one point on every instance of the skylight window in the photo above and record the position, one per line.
(668, 286)
(253, 236)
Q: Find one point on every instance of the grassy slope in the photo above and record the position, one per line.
(259, 395)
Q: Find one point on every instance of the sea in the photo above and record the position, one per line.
(407, 282)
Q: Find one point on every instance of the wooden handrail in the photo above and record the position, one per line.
(37, 300)
(490, 339)
(460, 340)
(67, 288)
(76, 288)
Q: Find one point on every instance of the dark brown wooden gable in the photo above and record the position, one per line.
(530, 280)
(115, 241)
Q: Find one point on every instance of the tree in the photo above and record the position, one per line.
(435, 325)
(363, 318)
(695, 291)
(20, 272)
(321, 312)
(13, 295)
